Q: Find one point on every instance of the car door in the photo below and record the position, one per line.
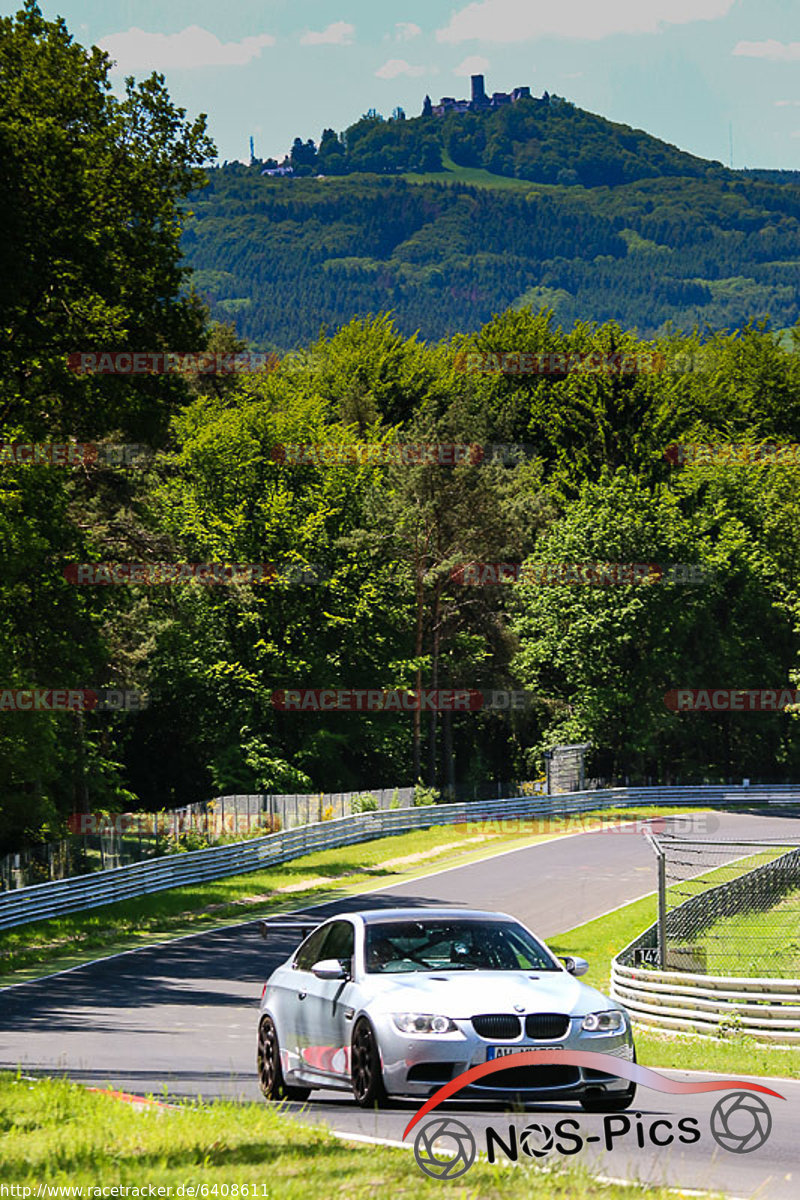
(295, 1032)
(326, 1014)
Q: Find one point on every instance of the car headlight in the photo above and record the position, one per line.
(612, 1021)
(423, 1023)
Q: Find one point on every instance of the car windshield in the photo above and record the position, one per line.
(394, 947)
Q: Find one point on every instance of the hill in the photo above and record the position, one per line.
(542, 140)
(446, 250)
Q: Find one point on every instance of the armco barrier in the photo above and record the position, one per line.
(121, 883)
(765, 1009)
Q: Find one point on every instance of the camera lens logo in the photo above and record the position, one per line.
(444, 1149)
(536, 1140)
(740, 1122)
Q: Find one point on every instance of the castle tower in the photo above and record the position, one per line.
(478, 91)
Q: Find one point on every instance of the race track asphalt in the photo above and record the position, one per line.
(180, 1018)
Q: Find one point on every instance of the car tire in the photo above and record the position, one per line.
(365, 1067)
(270, 1071)
(609, 1102)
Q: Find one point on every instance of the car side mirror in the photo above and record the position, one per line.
(329, 968)
(575, 965)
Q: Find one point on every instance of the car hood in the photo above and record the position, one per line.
(464, 994)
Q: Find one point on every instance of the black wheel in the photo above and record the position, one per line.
(270, 1072)
(365, 1067)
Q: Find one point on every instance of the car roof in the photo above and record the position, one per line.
(377, 916)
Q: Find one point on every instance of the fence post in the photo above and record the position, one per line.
(662, 900)
(662, 911)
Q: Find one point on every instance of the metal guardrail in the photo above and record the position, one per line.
(45, 900)
(765, 1009)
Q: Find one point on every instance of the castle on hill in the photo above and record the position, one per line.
(480, 102)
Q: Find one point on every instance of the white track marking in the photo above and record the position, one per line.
(364, 1138)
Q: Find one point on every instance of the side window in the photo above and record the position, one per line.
(309, 952)
(340, 943)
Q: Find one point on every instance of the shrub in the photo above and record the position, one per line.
(365, 803)
(184, 842)
(424, 796)
(269, 823)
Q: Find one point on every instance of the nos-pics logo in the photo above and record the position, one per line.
(445, 1148)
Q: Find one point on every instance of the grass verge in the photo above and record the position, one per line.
(735, 1053)
(62, 942)
(53, 1132)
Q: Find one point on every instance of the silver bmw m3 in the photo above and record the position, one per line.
(397, 1002)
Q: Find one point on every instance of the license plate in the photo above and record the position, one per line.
(501, 1051)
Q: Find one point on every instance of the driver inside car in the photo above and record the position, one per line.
(380, 952)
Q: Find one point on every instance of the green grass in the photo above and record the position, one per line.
(478, 177)
(733, 1053)
(736, 1054)
(53, 1132)
(756, 943)
(474, 176)
(678, 893)
(44, 946)
(599, 940)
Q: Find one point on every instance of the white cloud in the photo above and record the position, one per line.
(397, 66)
(406, 30)
(795, 134)
(476, 64)
(787, 103)
(339, 33)
(776, 51)
(136, 50)
(514, 21)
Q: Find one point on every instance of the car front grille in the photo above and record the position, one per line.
(546, 1025)
(530, 1078)
(499, 1026)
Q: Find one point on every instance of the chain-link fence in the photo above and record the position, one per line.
(726, 908)
(100, 841)
(112, 845)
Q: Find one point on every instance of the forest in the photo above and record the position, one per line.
(368, 593)
(285, 257)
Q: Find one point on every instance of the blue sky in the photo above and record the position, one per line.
(687, 71)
